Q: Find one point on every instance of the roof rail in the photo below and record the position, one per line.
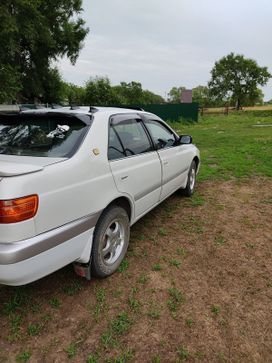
(137, 108)
(93, 109)
(74, 107)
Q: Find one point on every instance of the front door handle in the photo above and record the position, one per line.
(124, 177)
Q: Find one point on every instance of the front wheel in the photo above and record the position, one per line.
(190, 186)
(110, 242)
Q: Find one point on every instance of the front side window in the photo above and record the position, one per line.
(163, 138)
(127, 138)
(39, 135)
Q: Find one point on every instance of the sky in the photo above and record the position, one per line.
(166, 43)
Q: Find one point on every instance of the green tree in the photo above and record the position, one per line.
(73, 94)
(201, 95)
(152, 98)
(174, 94)
(130, 93)
(100, 92)
(34, 34)
(237, 78)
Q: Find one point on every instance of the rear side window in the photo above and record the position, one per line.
(127, 138)
(40, 135)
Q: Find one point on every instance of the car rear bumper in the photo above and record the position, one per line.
(28, 260)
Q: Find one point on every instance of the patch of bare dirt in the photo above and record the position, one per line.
(198, 287)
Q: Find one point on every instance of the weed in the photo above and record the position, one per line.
(35, 308)
(176, 298)
(121, 324)
(154, 314)
(46, 317)
(15, 325)
(92, 358)
(197, 200)
(182, 252)
(140, 237)
(143, 278)
(219, 240)
(23, 357)
(199, 355)
(71, 350)
(183, 353)
(124, 357)
(221, 357)
(16, 302)
(34, 329)
(72, 288)
(117, 293)
(123, 266)
(100, 298)
(108, 340)
(156, 267)
(156, 358)
(134, 304)
(175, 263)
(215, 309)
(54, 303)
(189, 322)
(250, 245)
(162, 232)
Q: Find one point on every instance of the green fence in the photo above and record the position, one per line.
(174, 112)
(169, 111)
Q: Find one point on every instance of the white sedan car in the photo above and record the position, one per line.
(73, 181)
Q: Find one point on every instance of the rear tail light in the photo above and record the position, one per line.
(18, 210)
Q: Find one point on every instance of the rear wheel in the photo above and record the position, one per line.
(190, 186)
(111, 238)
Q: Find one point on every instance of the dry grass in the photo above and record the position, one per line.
(196, 286)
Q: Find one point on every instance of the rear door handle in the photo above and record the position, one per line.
(124, 177)
(165, 163)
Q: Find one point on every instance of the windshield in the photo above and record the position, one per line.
(40, 135)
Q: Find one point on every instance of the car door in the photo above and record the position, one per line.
(175, 158)
(134, 162)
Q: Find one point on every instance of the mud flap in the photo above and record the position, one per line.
(83, 269)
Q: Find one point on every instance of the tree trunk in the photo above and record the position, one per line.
(238, 104)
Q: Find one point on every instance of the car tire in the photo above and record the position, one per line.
(110, 243)
(190, 186)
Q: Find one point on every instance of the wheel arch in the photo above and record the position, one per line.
(197, 161)
(123, 202)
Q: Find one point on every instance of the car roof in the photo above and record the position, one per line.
(84, 110)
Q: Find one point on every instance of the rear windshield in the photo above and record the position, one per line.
(41, 135)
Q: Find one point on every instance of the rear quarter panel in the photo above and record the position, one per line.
(67, 190)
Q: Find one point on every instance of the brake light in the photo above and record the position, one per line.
(18, 210)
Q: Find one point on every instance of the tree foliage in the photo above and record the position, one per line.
(202, 95)
(237, 78)
(33, 34)
(174, 95)
(99, 91)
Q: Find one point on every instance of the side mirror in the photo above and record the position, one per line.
(185, 139)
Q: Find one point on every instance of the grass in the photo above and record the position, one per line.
(34, 329)
(176, 298)
(183, 353)
(54, 303)
(23, 356)
(123, 266)
(121, 324)
(143, 310)
(231, 146)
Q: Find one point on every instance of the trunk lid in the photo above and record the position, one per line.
(19, 165)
